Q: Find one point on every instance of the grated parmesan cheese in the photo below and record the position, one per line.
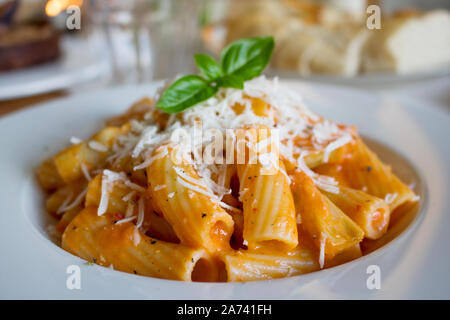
(124, 220)
(328, 184)
(159, 187)
(335, 145)
(66, 207)
(97, 146)
(195, 188)
(140, 213)
(390, 197)
(129, 211)
(231, 208)
(288, 115)
(108, 179)
(85, 171)
(129, 195)
(75, 140)
(65, 203)
(323, 239)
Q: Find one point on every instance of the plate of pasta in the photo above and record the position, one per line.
(239, 191)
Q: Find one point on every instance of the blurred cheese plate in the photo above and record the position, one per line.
(326, 43)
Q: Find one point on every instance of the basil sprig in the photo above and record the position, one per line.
(240, 61)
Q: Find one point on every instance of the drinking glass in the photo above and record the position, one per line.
(147, 39)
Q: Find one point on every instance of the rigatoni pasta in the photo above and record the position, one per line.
(250, 266)
(369, 212)
(268, 206)
(187, 204)
(365, 171)
(102, 240)
(332, 231)
(196, 196)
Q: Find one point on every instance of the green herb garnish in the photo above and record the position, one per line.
(240, 61)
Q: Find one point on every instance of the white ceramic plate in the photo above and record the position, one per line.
(77, 65)
(414, 265)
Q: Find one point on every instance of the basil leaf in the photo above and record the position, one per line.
(208, 66)
(184, 93)
(240, 61)
(247, 58)
(231, 81)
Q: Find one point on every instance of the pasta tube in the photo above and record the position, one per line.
(66, 218)
(268, 207)
(334, 170)
(80, 236)
(365, 171)
(119, 195)
(48, 175)
(347, 255)
(370, 213)
(65, 198)
(316, 159)
(97, 239)
(187, 204)
(91, 154)
(331, 230)
(123, 203)
(243, 265)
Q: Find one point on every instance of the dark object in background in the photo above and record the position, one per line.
(7, 11)
(24, 45)
(27, 37)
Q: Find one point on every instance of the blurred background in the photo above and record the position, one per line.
(53, 48)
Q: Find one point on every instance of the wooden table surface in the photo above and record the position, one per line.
(8, 106)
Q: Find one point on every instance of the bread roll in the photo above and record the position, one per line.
(407, 43)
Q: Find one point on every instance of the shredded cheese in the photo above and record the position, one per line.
(85, 171)
(323, 182)
(130, 209)
(231, 208)
(97, 146)
(323, 239)
(124, 220)
(287, 114)
(159, 187)
(390, 197)
(75, 140)
(108, 179)
(65, 203)
(140, 213)
(195, 188)
(66, 207)
(335, 145)
(129, 195)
